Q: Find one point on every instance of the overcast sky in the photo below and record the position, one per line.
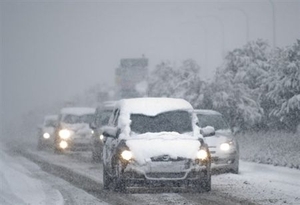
(52, 50)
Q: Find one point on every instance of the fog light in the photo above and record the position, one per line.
(46, 135)
(63, 144)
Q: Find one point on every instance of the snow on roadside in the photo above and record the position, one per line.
(18, 186)
(277, 148)
(261, 184)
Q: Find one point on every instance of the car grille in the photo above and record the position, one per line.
(158, 175)
(166, 158)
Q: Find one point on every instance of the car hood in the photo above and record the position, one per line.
(220, 137)
(49, 130)
(170, 144)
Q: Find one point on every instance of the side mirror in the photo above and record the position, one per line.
(208, 131)
(112, 132)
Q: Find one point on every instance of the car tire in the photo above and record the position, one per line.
(96, 156)
(106, 179)
(235, 170)
(204, 183)
(119, 182)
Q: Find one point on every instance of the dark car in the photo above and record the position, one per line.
(102, 115)
(46, 132)
(153, 142)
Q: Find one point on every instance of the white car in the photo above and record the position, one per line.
(46, 132)
(153, 142)
(223, 146)
(73, 131)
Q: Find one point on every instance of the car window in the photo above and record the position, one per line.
(50, 123)
(73, 119)
(215, 121)
(174, 121)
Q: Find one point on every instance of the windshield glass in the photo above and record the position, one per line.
(215, 121)
(50, 123)
(73, 119)
(174, 121)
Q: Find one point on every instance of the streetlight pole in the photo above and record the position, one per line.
(274, 22)
(246, 19)
(222, 31)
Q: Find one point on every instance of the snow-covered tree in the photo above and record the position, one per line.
(236, 89)
(181, 82)
(282, 86)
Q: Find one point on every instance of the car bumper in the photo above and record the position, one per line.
(169, 174)
(225, 162)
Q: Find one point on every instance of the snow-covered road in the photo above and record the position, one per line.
(256, 184)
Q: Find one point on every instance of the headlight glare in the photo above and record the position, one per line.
(101, 137)
(127, 155)
(63, 144)
(202, 154)
(64, 134)
(46, 135)
(225, 146)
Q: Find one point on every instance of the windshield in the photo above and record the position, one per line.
(73, 119)
(50, 123)
(215, 121)
(174, 121)
(103, 117)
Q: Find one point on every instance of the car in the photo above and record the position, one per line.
(73, 131)
(46, 132)
(223, 146)
(102, 115)
(155, 142)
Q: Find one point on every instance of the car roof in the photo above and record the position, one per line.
(107, 105)
(152, 106)
(51, 117)
(77, 110)
(206, 112)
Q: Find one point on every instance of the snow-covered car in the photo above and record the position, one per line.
(223, 146)
(73, 131)
(153, 142)
(46, 132)
(102, 115)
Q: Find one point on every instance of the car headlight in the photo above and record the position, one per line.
(202, 154)
(225, 146)
(64, 134)
(46, 135)
(92, 131)
(127, 155)
(63, 144)
(101, 137)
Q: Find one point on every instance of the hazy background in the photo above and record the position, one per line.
(52, 50)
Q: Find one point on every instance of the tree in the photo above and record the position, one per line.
(282, 86)
(236, 89)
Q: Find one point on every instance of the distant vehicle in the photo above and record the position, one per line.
(102, 115)
(46, 132)
(223, 146)
(73, 132)
(155, 141)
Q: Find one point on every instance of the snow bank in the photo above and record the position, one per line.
(277, 148)
(19, 187)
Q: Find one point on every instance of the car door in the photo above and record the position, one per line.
(111, 143)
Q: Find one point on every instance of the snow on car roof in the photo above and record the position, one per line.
(78, 110)
(207, 112)
(51, 117)
(152, 106)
